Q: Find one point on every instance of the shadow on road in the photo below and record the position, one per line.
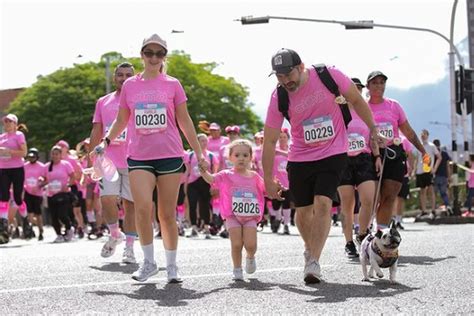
(170, 295)
(421, 260)
(119, 267)
(337, 292)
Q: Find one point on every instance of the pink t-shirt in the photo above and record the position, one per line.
(358, 136)
(58, 179)
(152, 126)
(33, 173)
(257, 160)
(224, 161)
(240, 196)
(214, 144)
(317, 126)
(75, 166)
(193, 165)
(12, 141)
(470, 183)
(388, 116)
(279, 170)
(106, 111)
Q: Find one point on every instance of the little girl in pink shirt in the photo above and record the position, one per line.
(241, 199)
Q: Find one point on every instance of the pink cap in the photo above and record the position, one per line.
(214, 127)
(11, 117)
(62, 143)
(233, 128)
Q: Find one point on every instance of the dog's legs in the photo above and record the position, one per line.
(375, 266)
(393, 272)
(363, 262)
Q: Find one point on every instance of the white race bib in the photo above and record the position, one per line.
(386, 130)
(318, 130)
(31, 182)
(150, 118)
(54, 187)
(356, 143)
(282, 166)
(245, 204)
(120, 139)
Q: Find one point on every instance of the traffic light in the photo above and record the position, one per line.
(464, 85)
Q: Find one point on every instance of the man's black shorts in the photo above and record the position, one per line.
(424, 180)
(360, 168)
(310, 178)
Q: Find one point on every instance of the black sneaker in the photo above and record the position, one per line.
(224, 234)
(351, 250)
(40, 237)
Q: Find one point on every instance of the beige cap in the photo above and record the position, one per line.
(155, 39)
(11, 117)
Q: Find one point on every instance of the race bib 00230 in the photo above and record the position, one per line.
(150, 118)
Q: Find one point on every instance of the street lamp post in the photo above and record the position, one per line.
(350, 25)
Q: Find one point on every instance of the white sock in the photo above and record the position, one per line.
(278, 214)
(398, 219)
(170, 257)
(148, 252)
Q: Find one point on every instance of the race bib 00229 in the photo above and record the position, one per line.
(317, 131)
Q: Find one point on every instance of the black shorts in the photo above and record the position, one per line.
(310, 178)
(405, 190)
(424, 180)
(33, 203)
(158, 166)
(360, 168)
(394, 169)
(276, 204)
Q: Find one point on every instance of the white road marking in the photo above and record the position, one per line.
(152, 279)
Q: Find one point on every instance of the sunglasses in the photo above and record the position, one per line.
(158, 54)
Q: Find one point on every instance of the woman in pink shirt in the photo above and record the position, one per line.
(153, 105)
(34, 172)
(241, 198)
(59, 175)
(12, 172)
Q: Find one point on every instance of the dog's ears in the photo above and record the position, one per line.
(378, 234)
(392, 225)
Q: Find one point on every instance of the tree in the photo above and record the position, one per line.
(61, 105)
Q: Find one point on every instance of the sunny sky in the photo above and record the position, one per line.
(38, 37)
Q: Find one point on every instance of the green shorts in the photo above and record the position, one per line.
(158, 166)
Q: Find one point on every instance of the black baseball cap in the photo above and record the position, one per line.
(357, 82)
(376, 73)
(284, 61)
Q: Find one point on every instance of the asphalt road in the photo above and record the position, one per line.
(435, 274)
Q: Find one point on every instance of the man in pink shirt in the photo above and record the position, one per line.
(317, 154)
(215, 140)
(105, 113)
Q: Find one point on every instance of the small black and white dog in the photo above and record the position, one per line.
(380, 251)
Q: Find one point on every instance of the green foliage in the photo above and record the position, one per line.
(61, 105)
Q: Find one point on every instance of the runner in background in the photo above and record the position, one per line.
(34, 172)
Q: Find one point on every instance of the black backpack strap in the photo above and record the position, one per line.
(190, 157)
(283, 101)
(326, 78)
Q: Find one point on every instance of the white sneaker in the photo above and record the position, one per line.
(109, 247)
(238, 274)
(69, 234)
(312, 272)
(59, 239)
(250, 265)
(173, 277)
(147, 269)
(128, 255)
(307, 256)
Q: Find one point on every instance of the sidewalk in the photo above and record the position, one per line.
(442, 218)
